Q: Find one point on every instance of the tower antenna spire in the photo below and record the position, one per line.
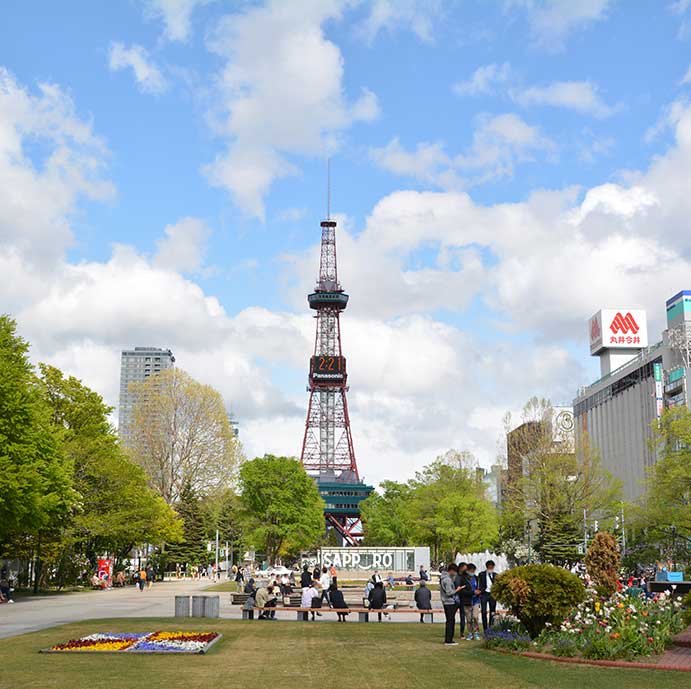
(328, 188)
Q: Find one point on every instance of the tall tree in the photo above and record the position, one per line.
(386, 515)
(665, 511)
(181, 435)
(282, 511)
(554, 484)
(35, 475)
(117, 509)
(192, 547)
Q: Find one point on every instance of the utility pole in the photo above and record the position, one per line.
(623, 533)
(585, 530)
(217, 563)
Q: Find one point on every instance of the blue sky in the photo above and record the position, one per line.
(500, 171)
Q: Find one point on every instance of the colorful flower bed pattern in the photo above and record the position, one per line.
(146, 642)
(619, 628)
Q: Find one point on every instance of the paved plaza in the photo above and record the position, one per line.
(31, 614)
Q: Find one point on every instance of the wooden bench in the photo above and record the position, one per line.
(362, 613)
(241, 599)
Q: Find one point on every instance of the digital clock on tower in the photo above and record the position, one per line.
(327, 370)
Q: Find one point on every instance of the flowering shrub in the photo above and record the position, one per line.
(620, 627)
(538, 594)
(150, 642)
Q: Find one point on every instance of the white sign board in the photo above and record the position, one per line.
(618, 329)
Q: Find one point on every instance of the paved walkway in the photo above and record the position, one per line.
(30, 614)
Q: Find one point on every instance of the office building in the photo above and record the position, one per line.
(136, 365)
(615, 415)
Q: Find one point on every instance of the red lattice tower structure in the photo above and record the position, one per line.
(327, 447)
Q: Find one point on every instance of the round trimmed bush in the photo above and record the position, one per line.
(538, 594)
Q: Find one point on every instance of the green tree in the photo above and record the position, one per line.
(192, 547)
(447, 496)
(553, 484)
(117, 510)
(35, 475)
(281, 509)
(386, 515)
(668, 488)
(181, 435)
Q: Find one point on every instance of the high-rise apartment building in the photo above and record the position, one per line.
(136, 366)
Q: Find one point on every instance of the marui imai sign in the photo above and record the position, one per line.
(618, 329)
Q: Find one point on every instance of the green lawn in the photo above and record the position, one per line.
(318, 655)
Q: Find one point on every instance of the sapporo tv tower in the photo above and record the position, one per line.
(327, 448)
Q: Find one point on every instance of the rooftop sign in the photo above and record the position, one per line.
(618, 329)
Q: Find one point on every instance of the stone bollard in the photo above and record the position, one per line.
(198, 606)
(182, 606)
(212, 606)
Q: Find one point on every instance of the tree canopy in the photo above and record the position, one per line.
(35, 474)
(444, 507)
(181, 435)
(282, 512)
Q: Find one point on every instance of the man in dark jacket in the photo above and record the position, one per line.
(305, 577)
(377, 598)
(460, 580)
(486, 581)
(423, 598)
(337, 601)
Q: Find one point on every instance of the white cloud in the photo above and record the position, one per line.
(484, 80)
(281, 95)
(581, 96)
(499, 144)
(552, 21)
(428, 163)
(184, 246)
(39, 193)
(388, 15)
(147, 75)
(686, 79)
(176, 16)
(535, 269)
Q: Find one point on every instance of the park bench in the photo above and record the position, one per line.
(362, 613)
(241, 599)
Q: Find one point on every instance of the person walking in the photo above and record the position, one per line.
(142, 579)
(5, 588)
(487, 601)
(150, 576)
(449, 599)
(423, 598)
(377, 598)
(324, 583)
(239, 578)
(470, 599)
(338, 601)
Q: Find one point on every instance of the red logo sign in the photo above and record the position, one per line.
(624, 324)
(595, 331)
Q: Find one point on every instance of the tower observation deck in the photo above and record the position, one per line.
(327, 447)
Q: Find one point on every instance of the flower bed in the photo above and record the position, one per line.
(619, 628)
(146, 642)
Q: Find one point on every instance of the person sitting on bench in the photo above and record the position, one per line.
(266, 599)
(310, 595)
(423, 599)
(337, 601)
(377, 598)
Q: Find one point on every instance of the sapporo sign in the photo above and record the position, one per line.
(365, 559)
(618, 329)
